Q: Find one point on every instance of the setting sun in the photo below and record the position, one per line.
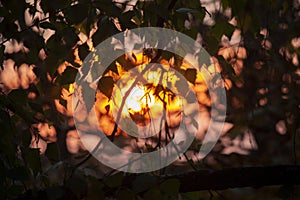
(139, 98)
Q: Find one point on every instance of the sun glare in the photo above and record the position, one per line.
(139, 98)
(147, 92)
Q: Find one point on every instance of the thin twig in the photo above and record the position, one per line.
(123, 103)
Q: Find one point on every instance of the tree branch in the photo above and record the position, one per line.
(231, 178)
(238, 177)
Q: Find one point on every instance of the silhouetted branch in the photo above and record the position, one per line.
(112, 136)
(232, 178)
(238, 177)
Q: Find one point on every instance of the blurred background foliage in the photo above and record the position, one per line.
(256, 45)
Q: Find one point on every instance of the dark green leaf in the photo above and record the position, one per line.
(170, 187)
(125, 194)
(212, 44)
(114, 180)
(95, 187)
(225, 4)
(222, 28)
(144, 182)
(190, 196)
(78, 185)
(153, 193)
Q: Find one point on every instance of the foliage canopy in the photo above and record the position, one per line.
(255, 43)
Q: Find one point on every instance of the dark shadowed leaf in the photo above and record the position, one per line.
(32, 157)
(26, 138)
(190, 196)
(126, 21)
(153, 193)
(47, 25)
(18, 95)
(77, 184)
(95, 189)
(212, 44)
(222, 28)
(106, 28)
(190, 75)
(225, 65)
(54, 192)
(18, 173)
(158, 89)
(63, 102)
(125, 194)
(68, 76)
(113, 67)
(15, 190)
(114, 180)
(36, 107)
(76, 13)
(92, 16)
(125, 63)
(51, 63)
(286, 192)
(106, 85)
(170, 187)
(83, 51)
(52, 152)
(69, 38)
(144, 182)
